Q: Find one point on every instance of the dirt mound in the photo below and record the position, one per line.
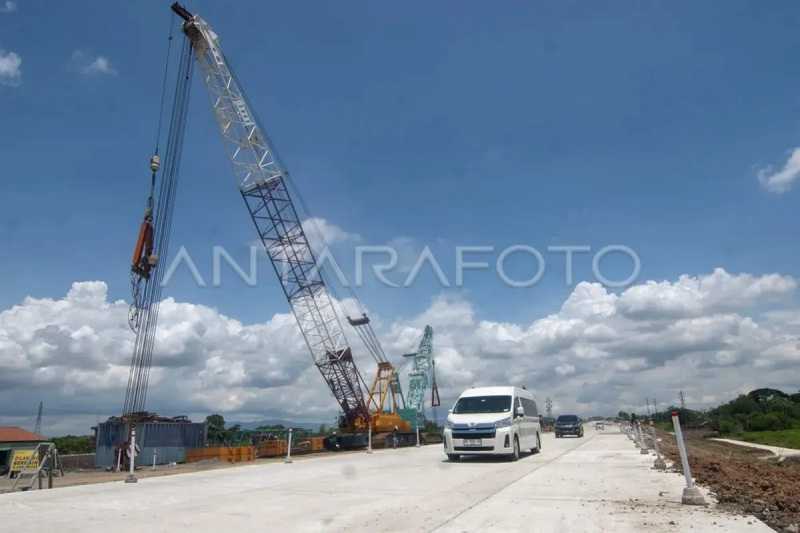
(743, 480)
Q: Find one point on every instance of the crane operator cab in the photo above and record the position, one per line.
(493, 421)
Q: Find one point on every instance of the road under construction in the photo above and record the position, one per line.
(598, 483)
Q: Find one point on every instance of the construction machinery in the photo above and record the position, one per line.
(37, 428)
(421, 376)
(269, 197)
(385, 399)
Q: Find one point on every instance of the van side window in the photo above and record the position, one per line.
(530, 407)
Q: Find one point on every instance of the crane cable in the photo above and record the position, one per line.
(149, 298)
(136, 280)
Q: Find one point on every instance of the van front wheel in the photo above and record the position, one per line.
(515, 454)
(538, 445)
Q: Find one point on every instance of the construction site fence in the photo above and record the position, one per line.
(267, 448)
(277, 447)
(77, 461)
(226, 454)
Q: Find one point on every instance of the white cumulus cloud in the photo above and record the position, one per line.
(711, 335)
(10, 73)
(319, 229)
(87, 64)
(780, 181)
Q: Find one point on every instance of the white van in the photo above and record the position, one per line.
(492, 421)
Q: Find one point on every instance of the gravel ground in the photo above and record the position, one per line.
(746, 480)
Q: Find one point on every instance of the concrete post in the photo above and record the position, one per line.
(418, 445)
(289, 448)
(643, 447)
(691, 494)
(369, 438)
(132, 451)
(659, 463)
(155, 453)
(51, 463)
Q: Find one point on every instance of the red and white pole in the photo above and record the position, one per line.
(132, 457)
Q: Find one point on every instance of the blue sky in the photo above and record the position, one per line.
(635, 123)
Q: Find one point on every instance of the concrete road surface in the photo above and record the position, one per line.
(597, 483)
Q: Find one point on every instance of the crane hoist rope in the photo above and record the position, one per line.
(153, 242)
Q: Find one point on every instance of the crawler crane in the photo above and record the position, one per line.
(264, 184)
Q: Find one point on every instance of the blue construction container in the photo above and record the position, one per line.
(168, 441)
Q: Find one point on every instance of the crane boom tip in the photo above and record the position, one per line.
(181, 11)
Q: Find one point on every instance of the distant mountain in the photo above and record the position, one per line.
(285, 423)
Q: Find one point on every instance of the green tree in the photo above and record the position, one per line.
(216, 428)
(69, 444)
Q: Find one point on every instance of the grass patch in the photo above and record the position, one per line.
(786, 438)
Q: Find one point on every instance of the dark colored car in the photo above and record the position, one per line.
(568, 425)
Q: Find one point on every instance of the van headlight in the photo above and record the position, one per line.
(504, 423)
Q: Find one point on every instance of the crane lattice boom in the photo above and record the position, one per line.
(422, 375)
(262, 181)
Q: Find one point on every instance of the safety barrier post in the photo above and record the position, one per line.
(659, 463)
(289, 448)
(691, 494)
(132, 451)
(52, 466)
(644, 449)
(418, 445)
(369, 438)
(155, 452)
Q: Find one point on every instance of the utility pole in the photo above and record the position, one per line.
(548, 406)
(683, 400)
(38, 427)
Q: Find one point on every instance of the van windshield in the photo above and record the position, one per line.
(567, 418)
(483, 404)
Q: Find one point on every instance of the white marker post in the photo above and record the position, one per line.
(691, 494)
(659, 463)
(418, 444)
(369, 438)
(132, 451)
(289, 448)
(155, 452)
(643, 448)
